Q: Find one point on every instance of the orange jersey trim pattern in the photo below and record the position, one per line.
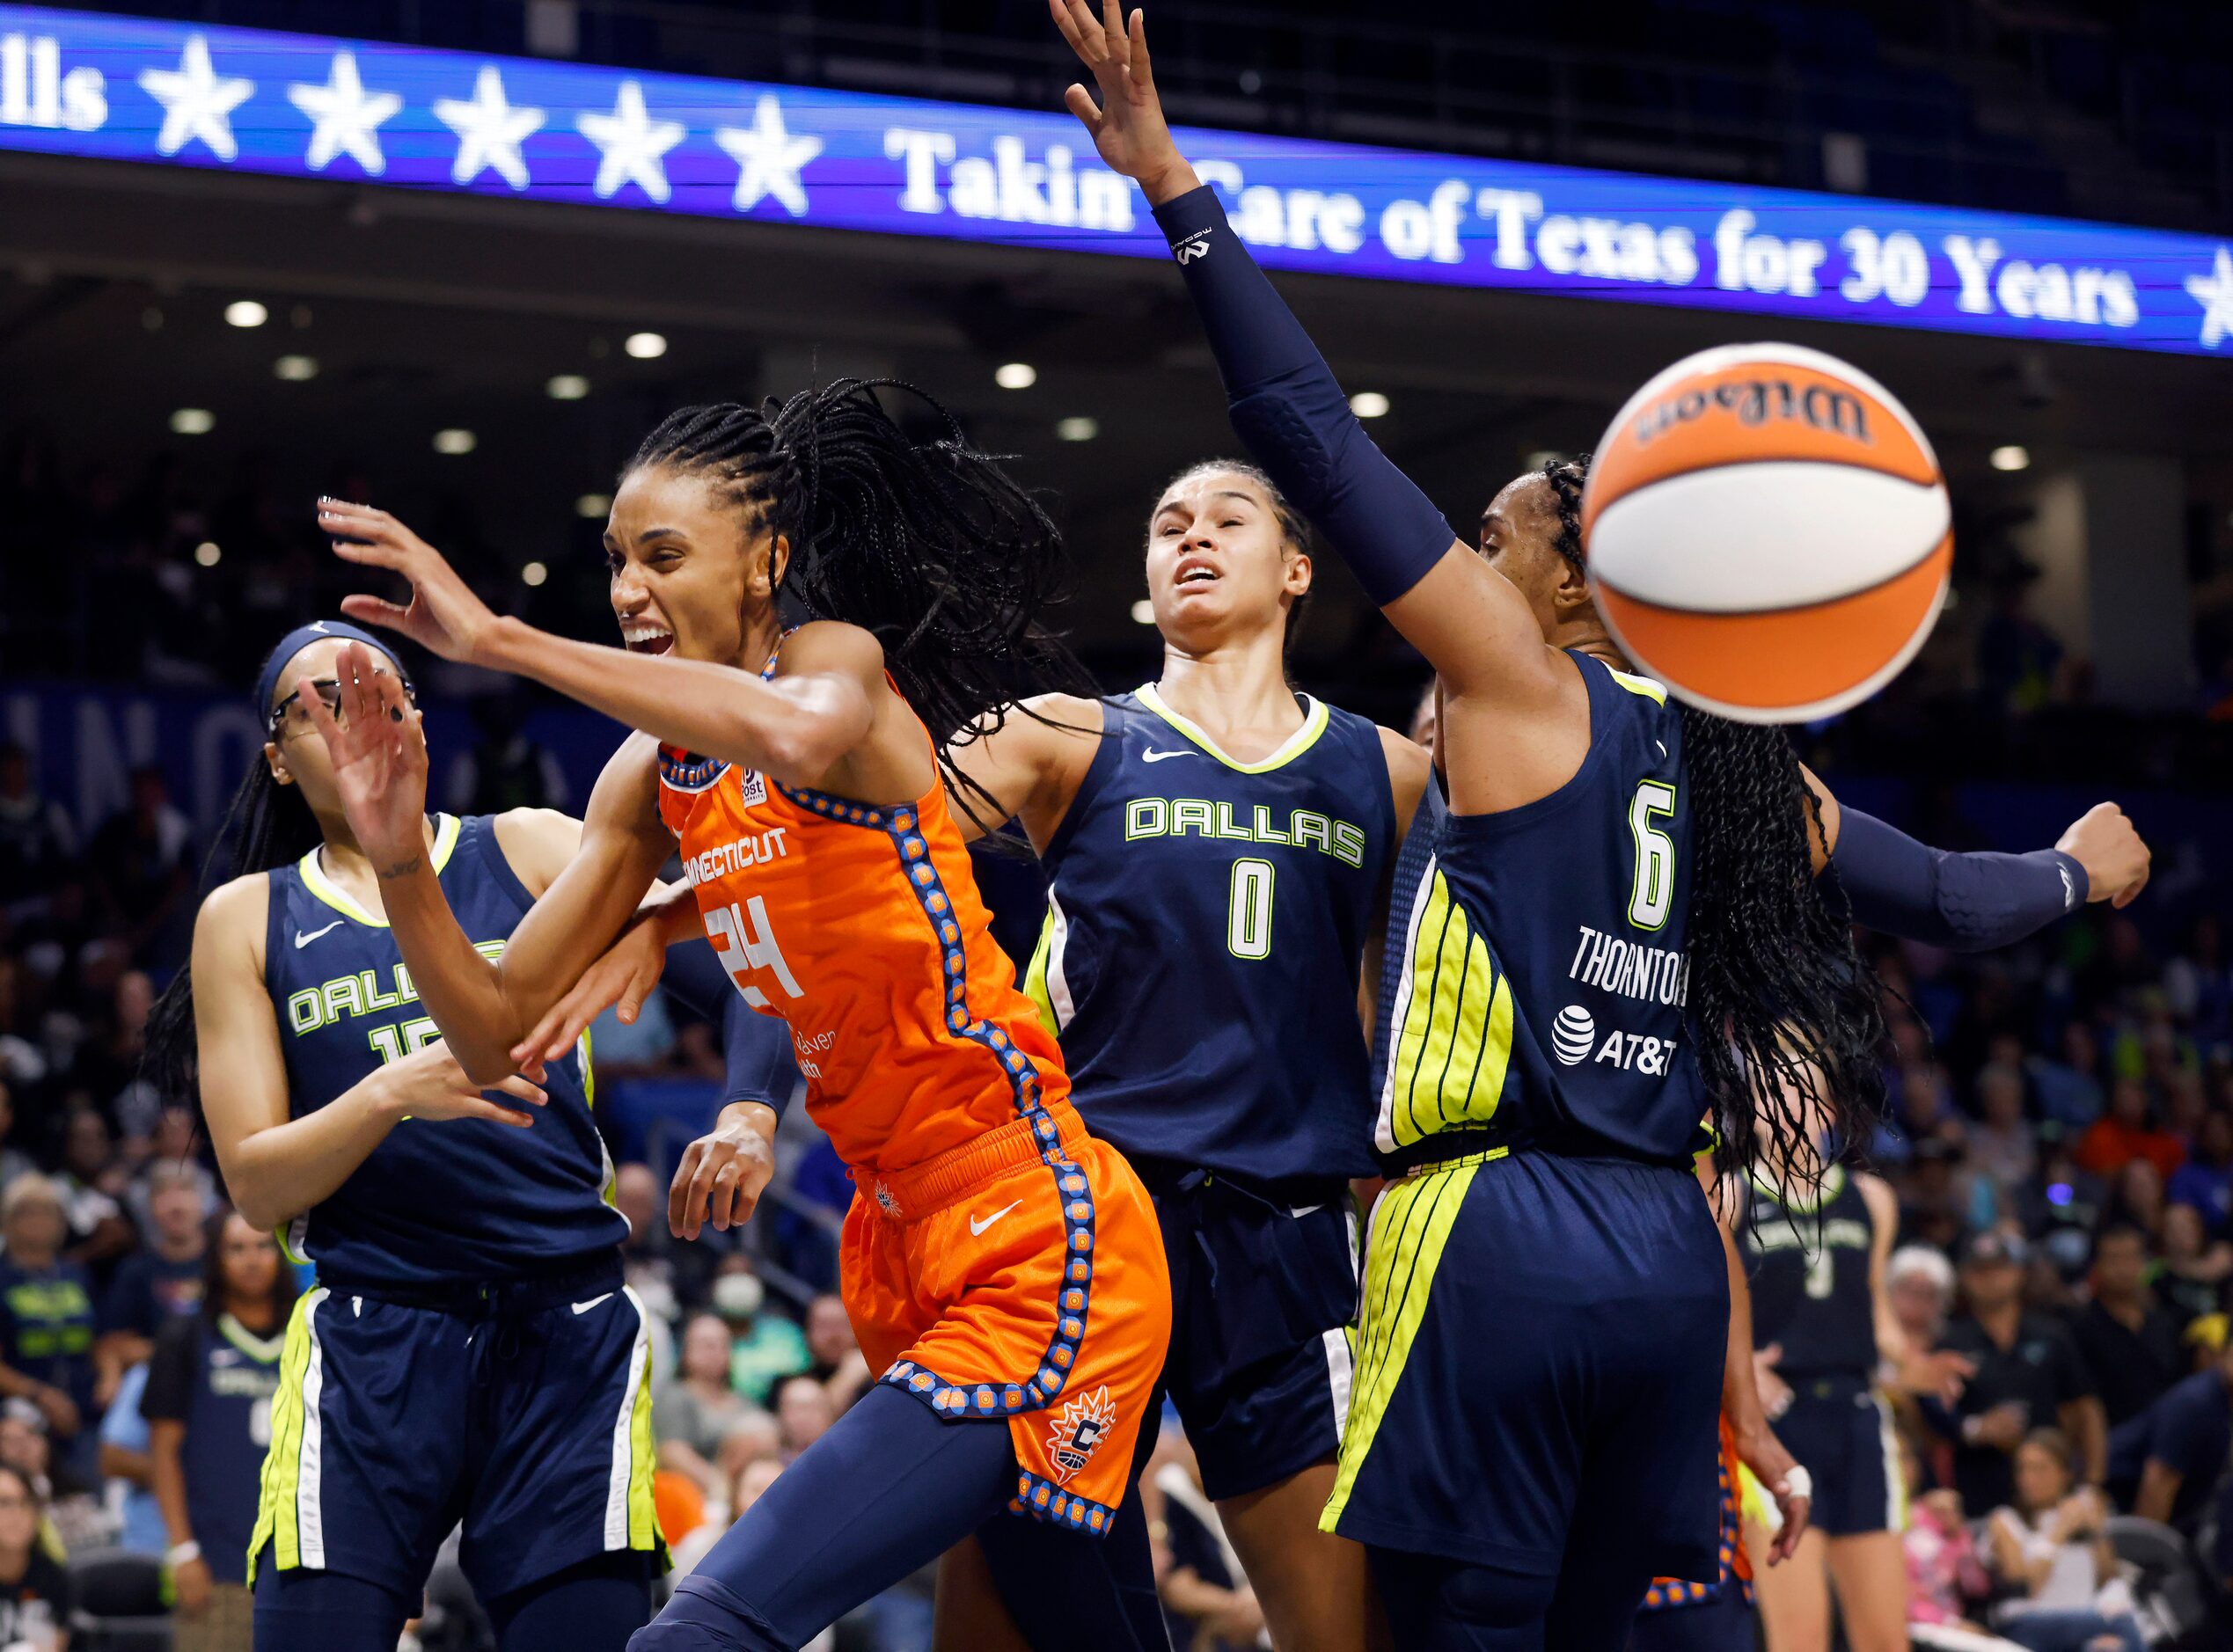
(1035, 1494)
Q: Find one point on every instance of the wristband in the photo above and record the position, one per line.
(182, 1552)
(1799, 1483)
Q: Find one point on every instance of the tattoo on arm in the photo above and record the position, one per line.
(402, 868)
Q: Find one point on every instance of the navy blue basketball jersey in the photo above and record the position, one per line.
(1206, 923)
(438, 1201)
(1809, 1260)
(218, 1379)
(1541, 996)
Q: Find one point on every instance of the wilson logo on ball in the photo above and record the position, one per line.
(1573, 1035)
(1767, 532)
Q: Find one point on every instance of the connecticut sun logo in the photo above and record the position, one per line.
(1079, 1431)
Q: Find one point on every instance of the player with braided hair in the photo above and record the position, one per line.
(1622, 934)
(1001, 1267)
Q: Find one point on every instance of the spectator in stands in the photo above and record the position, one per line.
(1920, 1283)
(35, 1589)
(2136, 1196)
(127, 1469)
(211, 1379)
(142, 866)
(839, 1364)
(2206, 1180)
(36, 845)
(100, 1235)
(158, 1283)
(2049, 1550)
(173, 1151)
(2070, 1085)
(768, 1347)
(2028, 1375)
(2130, 1342)
(694, 1414)
(2126, 1132)
(2164, 1463)
(2002, 1148)
(1944, 1572)
(2195, 1265)
(1933, 1208)
(2200, 984)
(45, 1315)
(803, 1412)
(2061, 1194)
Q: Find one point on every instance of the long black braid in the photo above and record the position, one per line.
(928, 544)
(1782, 1011)
(265, 825)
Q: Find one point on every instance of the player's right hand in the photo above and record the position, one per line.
(190, 1583)
(723, 1172)
(1127, 124)
(2109, 846)
(625, 976)
(428, 1084)
(378, 753)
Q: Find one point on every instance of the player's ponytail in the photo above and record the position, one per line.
(1782, 1012)
(267, 825)
(927, 543)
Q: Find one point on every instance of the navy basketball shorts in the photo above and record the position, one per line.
(1840, 1431)
(1539, 1364)
(1263, 1293)
(522, 1409)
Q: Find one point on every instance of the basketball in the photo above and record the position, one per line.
(1767, 532)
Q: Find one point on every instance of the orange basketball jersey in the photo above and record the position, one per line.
(1000, 1264)
(862, 928)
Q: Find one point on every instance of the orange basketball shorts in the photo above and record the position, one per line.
(1020, 1279)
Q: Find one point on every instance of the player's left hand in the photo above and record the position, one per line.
(723, 1172)
(1127, 123)
(2109, 846)
(444, 615)
(1776, 1469)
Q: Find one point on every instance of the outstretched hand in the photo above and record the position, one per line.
(378, 754)
(1127, 123)
(442, 616)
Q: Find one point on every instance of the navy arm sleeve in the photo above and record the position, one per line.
(756, 1047)
(1965, 903)
(1289, 411)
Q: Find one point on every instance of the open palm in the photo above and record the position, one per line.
(1127, 122)
(378, 753)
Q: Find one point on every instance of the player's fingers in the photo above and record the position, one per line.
(1080, 103)
(1059, 10)
(375, 611)
(701, 1189)
(1143, 76)
(481, 1108)
(313, 706)
(679, 1192)
(527, 1092)
(727, 1181)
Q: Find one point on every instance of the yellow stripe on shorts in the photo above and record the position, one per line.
(278, 1510)
(1409, 1229)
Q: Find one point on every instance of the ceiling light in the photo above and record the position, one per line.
(296, 370)
(246, 312)
(2012, 458)
(1143, 613)
(1079, 429)
(1368, 404)
(646, 346)
(207, 553)
(1015, 376)
(455, 442)
(566, 387)
(193, 421)
(534, 574)
(592, 506)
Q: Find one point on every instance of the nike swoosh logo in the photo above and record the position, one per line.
(978, 1227)
(303, 940)
(1158, 756)
(583, 1307)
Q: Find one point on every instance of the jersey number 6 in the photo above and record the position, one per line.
(1654, 892)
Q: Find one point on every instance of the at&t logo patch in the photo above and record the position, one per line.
(1079, 1431)
(1574, 1035)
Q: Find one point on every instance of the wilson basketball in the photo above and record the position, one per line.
(1767, 532)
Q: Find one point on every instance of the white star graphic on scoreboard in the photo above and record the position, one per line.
(770, 158)
(490, 130)
(633, 145)
(2215, 293)
(347, 117)
(197, 102)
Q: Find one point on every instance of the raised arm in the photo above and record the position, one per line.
(484, 1007)
(275, 1167)
(1472, 624)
